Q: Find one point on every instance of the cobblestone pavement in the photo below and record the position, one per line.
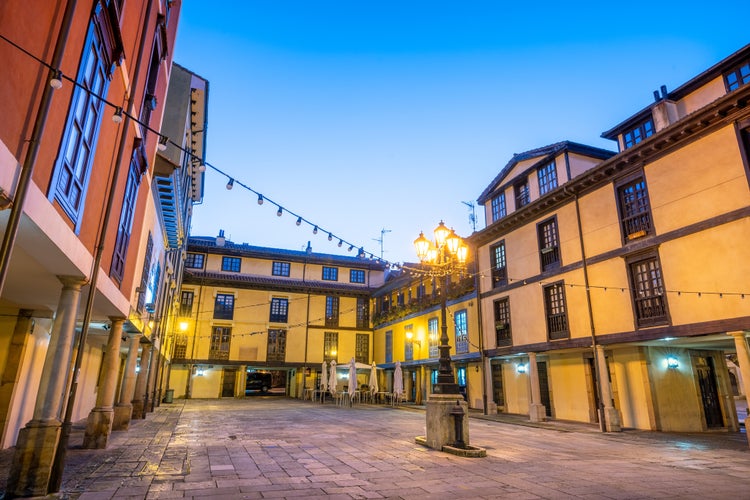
(273, 447)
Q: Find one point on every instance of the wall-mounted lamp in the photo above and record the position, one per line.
(199, 372)
(410, 338)
(230, 184)
(672, 362)
(521, 368)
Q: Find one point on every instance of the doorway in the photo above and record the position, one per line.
(228, 381)
(541, 367)
(709, 392)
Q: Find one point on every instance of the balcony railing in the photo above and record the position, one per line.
(455, 291)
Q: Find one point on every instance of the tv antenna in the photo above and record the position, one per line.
(472, 215)
(380, 240)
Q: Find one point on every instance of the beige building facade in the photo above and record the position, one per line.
(615, 286)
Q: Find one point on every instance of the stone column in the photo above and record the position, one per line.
(152, 396)
(99, 425)
(611, 414)
(489, 396)
(743, 359)
(537, 411)
(10, 374)
(37, 441)
(420, 377)
(140, 383)
(124, 407)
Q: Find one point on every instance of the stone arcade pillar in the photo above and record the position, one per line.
(99, 425)
(124, 407)
(743, 359)
(139, 410)
(611, 414)
(537, 411)
(152, 382)
(37, 441)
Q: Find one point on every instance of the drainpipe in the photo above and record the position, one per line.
(600, 409)
(24, 179)
(59, 461)
(191, 365)
(481, 332)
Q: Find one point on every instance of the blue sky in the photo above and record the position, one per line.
(362, 116)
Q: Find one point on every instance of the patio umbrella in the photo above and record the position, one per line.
(324, 377)
(373, 379)
(352, 378)
(398, 380)
(332, 378)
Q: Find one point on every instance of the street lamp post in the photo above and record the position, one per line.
(444, 256)
(444, 429)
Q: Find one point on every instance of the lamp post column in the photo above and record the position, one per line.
(446, 382)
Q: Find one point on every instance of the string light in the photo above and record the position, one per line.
(299, 221)
(330, 237)
(279, 212)
(117, 116)
(56, 81)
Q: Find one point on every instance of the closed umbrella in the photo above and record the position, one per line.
(373, 379)
(324, 377)
(352, 378)
(332, 379)
(398, 382)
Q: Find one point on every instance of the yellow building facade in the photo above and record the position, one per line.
(246, 310)
(407, 320)
(614, 286)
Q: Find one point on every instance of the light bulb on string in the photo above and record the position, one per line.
(260, 199)
(341, 242)
(299, 221)
(330, 237)
(351, 247)
(230, 184)
(315, 230)
(279, 212)
(117, 116)
(202, 167)
(56, 81)
(162, 146)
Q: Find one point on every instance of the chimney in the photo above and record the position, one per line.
(220, 240)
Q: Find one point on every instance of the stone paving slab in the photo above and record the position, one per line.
(271, 447)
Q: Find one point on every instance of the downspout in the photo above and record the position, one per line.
(191, 365)
(307, 331)
(481, 332)
(24, 179)
(600, 409)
